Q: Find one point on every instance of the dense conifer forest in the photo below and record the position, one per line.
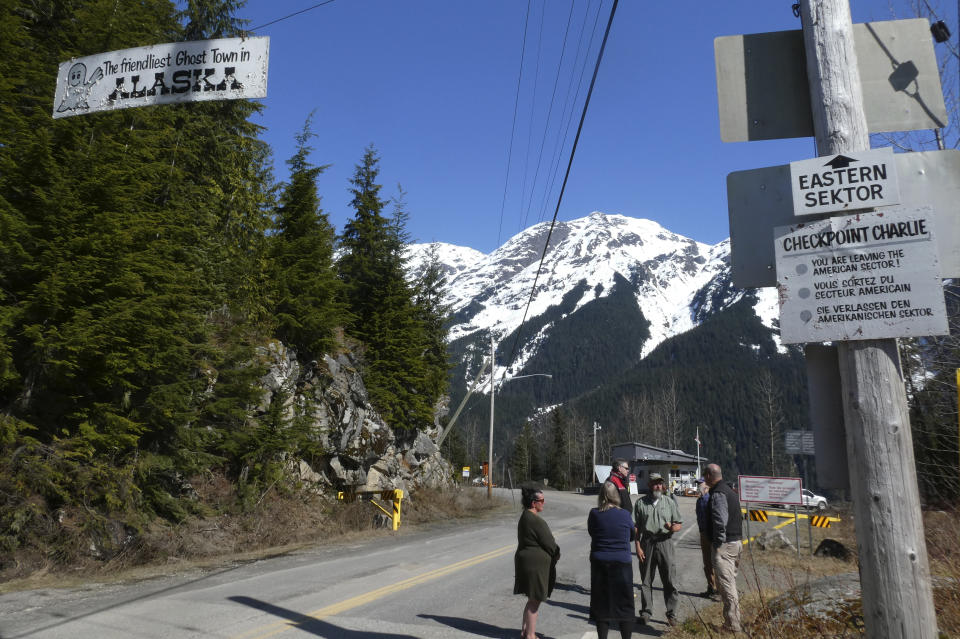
(145, 255)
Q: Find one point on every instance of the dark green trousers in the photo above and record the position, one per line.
(658, 558)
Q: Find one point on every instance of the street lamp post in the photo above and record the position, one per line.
(596, 427)
(493, 374)
(492, 390)
(697, 439)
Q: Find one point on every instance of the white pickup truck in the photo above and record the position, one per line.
(811, 501)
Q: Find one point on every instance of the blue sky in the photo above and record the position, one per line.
(432, 84)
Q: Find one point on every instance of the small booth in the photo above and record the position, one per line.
(679, 469)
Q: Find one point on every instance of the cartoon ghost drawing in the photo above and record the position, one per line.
(78, 87)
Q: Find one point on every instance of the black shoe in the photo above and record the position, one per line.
(644, 618)
(671, 620)
(708, 594)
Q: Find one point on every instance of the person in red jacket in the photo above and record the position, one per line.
(620, 477)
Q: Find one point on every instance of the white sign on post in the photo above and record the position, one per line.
(861, 180)
(799, 442)
(866, 276)
(770, 490)
(225, 69)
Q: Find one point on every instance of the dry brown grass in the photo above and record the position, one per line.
(772, 574)
(279, 523)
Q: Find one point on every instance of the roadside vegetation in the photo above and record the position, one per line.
(147, 259)
(290, 520)
(796, 597)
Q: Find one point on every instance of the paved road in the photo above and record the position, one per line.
(453, 579)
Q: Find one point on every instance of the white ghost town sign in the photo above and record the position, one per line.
(224, 69)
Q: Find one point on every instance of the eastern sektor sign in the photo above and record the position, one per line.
(862, 180)
(770, 490)
(225, 69)
(865, 276)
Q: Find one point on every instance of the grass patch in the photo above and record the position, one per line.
(791, 597)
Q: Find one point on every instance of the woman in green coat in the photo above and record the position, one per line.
(535, 563)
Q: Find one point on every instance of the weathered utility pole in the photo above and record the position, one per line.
(493, 373)
(894, 569)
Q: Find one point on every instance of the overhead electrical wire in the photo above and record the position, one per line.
(513, 127)
(563, 186)
(533, 104)
(546, 125)
(567, 116)
(295, 13)
(933, 14)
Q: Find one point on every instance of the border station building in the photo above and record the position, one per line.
(677, 467)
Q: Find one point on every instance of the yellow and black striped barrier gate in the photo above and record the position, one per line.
(394, 495)
(816, 521)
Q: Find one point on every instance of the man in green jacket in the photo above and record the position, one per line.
(657, 517)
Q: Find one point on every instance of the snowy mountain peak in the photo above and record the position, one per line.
(675, 281)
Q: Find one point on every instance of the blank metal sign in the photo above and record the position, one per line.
(761, 199)
(764, 95)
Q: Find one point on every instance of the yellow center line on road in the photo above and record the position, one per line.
(334, 609)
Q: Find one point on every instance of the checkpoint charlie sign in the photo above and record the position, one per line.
(861, 180)
(867, 276)
(224, 69)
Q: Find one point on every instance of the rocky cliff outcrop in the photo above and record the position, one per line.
(363, 453)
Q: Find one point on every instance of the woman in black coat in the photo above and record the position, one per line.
(535, 563)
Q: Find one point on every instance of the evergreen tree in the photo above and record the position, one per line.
(558, 459)
(429, 292)
(521, 462)
(383, 314)
(132, 255)
(307, 298)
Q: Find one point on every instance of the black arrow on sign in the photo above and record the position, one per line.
(840, 162)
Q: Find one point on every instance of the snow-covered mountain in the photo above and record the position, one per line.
(675, 281)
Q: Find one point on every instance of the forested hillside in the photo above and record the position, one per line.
(726, 377)
(146, 258)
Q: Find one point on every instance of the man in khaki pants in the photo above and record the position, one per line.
(725, 525)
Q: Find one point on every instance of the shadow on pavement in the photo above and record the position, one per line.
(569, 606)
(311, 624)
(572, 588)
(474, 627)
(65, 619)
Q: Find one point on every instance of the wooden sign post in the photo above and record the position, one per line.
(894, 568)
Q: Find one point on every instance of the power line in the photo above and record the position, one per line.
(563, 186)
(546, 125)
(513, 127)
(565, 116)
(295, 13)
(533, 104)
